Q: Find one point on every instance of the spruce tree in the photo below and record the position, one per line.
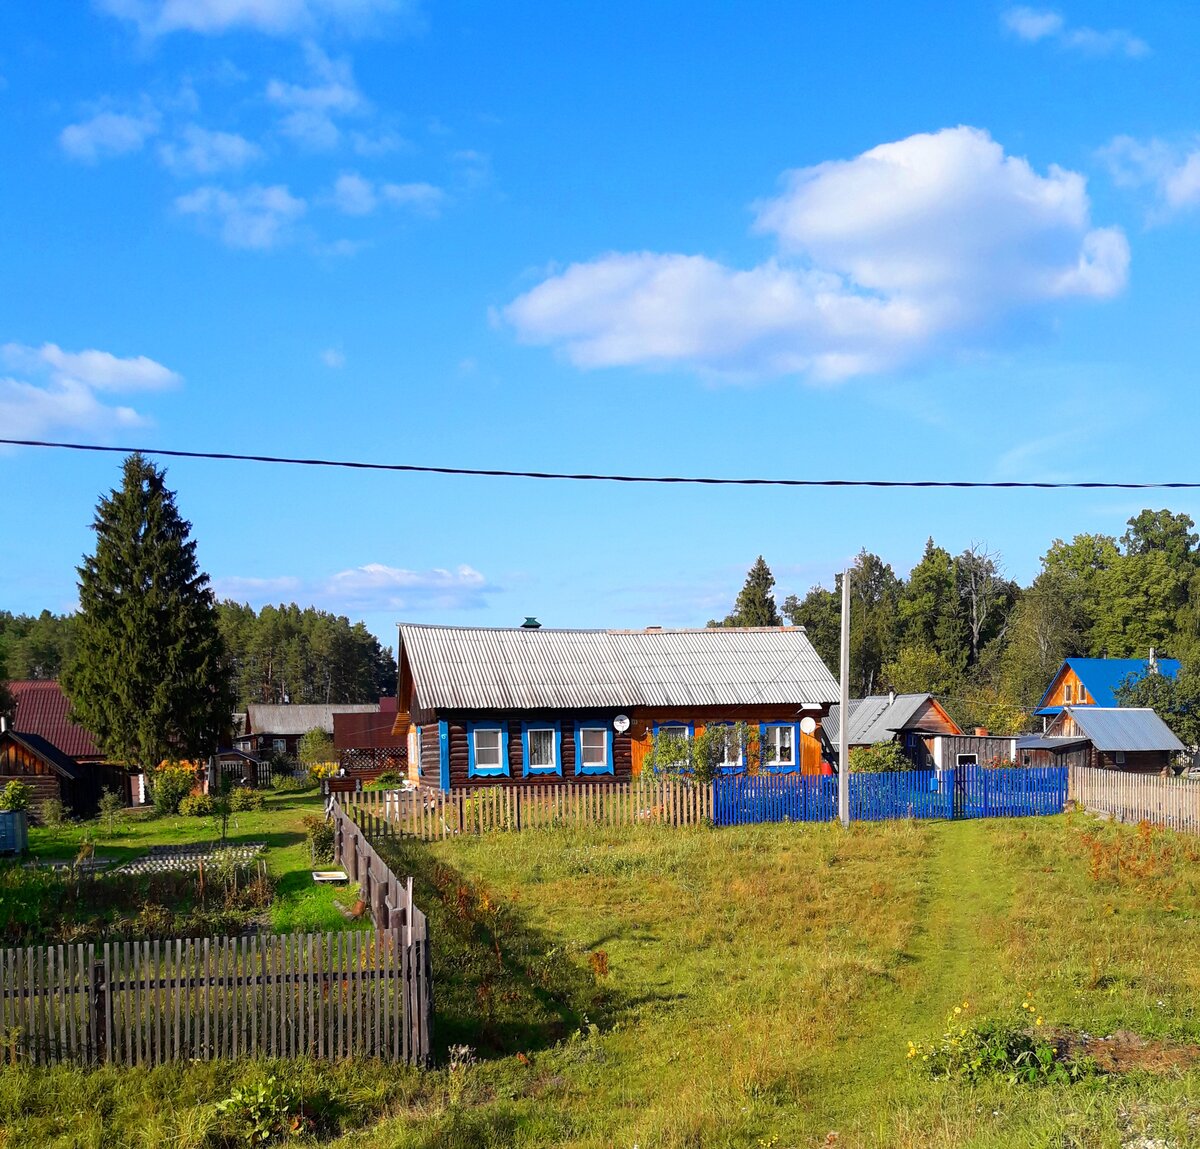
(755, 604)
(150, 679)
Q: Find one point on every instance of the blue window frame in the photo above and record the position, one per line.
(487, 749)
(541, 755)
(593, 748)
(444, 754)
(780, 746)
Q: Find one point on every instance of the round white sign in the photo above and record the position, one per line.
(808, 725)
(621, 723)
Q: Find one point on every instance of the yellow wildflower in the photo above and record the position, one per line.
(958, 1009)
(1038, 1022)
(966, 1005)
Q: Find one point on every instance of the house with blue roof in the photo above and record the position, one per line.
(1094, 681)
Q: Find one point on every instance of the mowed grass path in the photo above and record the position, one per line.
(767, 980)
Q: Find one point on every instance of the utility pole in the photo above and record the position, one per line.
(844, 725)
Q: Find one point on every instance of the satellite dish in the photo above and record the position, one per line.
(808, 725)
(621, 723)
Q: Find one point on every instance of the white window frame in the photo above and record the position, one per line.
(484, 770)
(605, 765)
(542, 768)
(769, 736)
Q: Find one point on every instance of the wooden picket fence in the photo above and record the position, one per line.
(325, 995)
(430, 814)
(1170, 802)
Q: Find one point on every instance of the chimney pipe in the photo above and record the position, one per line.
(1153, 661)
(891, 698)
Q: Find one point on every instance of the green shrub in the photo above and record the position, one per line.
(389, 779)
(52, 813)
(881, 758)
(15, 797)
(1018, 1051)
(243, 798)
(197, 805)
(320, 839)
(171, 784)
(260, 1113)
(111, 809)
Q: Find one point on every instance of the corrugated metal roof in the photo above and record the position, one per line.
(876, 718)
(300, 718)
(1123, 728)
(42, 709)
(477, 668)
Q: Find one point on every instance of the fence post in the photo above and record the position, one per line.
(950, 793)
(99, 1011)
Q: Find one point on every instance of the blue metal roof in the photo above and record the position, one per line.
(1102, 676)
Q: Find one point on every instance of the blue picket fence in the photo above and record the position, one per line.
(965, 792)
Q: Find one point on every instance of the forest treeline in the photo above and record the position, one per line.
(277, 654)
(958, 627)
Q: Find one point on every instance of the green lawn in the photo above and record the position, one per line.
(747, 987)
(299, 905)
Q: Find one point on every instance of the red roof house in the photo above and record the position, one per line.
(42, 709)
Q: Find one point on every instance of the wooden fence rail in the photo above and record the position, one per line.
(326, 995)
(431, 814)
(1170, 802)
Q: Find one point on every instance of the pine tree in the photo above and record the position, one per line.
(755, 604)
(150, 678)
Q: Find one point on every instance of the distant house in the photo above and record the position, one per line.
(1133, 739)
(912, 720)
(56, 757)
(528, 705)
(1094, 681)
(366, 744)
(278, 728)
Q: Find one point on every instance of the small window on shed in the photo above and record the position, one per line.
(1068, 693)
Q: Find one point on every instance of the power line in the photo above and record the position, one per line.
(709, 481)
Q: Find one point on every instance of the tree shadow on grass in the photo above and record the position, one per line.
(499, 985)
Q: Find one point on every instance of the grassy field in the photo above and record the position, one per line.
(299, 905)
(746, 987)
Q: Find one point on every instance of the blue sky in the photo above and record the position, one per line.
(894, 241)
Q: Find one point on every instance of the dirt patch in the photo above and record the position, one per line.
(1126, 1052)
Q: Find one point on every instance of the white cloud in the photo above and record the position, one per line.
(372, 587)
(910, 248)
(354, 194)
(422, 198)
(202, 152)
(333, 358)
(255, 217)
(380, 143)
(107, 134)
(1034, 24)
(272, 17)
(60, 389)
(379, 587)
(1170, 171)
(312, 109)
